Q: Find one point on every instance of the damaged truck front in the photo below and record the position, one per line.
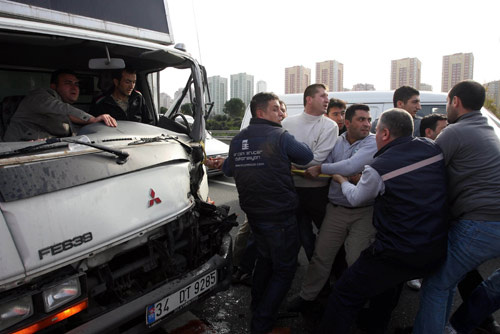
(109, 230)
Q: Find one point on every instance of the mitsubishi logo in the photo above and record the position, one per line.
(153, 199)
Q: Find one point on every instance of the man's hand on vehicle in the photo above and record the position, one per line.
(106, 119)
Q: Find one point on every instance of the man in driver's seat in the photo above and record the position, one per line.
(46, 113)
(124, 102)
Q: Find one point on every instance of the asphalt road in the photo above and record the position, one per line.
(228, 312)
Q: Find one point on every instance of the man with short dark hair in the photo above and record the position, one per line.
(471, 150)
(259, 158)
(46, 113)
(124, 103)
(343, 222)
(407, 180)
(406, 98)
(283, 109)
(336, 112)
(432, 125)
(319, 133)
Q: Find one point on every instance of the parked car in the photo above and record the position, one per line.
(214, 148)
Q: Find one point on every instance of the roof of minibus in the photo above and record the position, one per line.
(365, 97)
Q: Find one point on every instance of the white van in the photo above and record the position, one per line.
(378, 101)
(111, 230)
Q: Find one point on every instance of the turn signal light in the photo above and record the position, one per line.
(54, 318)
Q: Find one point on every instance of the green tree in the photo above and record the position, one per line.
(234, 108)
(163, 110)
(187, 109)
(491, 106)
(220, 118)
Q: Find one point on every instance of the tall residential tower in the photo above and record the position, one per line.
(261, 86)
(456, 67)
(405, 72)
(493, 92)
(331, 74)
(297, 78)
(242, 87)
(217, 86)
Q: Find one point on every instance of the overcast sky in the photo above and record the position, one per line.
(262, 37)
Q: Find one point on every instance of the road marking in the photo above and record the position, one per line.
(224, 183)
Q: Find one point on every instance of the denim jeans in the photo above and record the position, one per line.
(277, 249)
(470, 243)
(483, 301)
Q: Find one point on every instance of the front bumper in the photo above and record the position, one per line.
(214, 172)
(110, 321)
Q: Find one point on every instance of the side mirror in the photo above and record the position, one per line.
(106, 64)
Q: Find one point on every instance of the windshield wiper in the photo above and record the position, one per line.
(188, 148)
(122, 156)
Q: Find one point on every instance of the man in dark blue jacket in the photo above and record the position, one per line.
(407, 179)
(260, 158)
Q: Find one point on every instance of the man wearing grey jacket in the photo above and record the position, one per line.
(471, 149)
(46, 113)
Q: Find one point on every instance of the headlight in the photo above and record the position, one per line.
(15, 311)
(61, 294)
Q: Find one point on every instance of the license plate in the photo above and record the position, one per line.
(169, 304)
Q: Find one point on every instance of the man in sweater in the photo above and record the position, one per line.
(319, 133)
(407, 180)
(471, 149)
(259, 159)
(343, 222)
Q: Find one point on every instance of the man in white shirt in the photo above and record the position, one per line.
(320, 134)
(343, 222)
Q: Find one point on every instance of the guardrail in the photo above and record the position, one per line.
(225, 135)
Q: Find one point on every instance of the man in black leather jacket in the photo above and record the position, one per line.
(124, 103)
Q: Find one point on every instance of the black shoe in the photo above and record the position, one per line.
(299, 304)
(246, 279)
(236, 276)
(241, 277)
(489, 326)
(404, 330)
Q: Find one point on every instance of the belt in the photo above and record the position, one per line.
(350, 207)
